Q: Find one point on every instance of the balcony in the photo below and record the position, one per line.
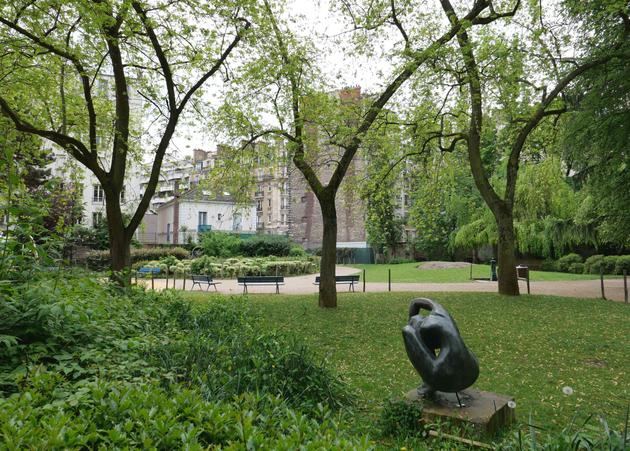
(204, 228)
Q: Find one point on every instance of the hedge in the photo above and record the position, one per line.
(100, 259)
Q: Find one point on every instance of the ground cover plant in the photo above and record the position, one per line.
(530, 347)
(235, 266)
(86, 365)
(413, 272)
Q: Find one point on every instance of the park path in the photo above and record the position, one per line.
(304, 285)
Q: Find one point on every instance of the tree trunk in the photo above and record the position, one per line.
(327, 285)
(508, 283)
(119, 242)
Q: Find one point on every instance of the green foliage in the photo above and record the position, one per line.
(220, 244)
(593, 264)
(261, 266)
(609, 263)
(86, 366)
(623, 262)
(266, 245)
(401, 418)
(297, 251)
(576, 268)
(548, 265)
(101, 260)
(564, 263)
(583, 435)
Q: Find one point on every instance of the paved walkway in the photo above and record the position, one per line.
(304, 284)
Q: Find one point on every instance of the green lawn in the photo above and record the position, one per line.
(529, 347)
(409, 272)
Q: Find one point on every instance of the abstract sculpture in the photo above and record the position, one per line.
(437, 351)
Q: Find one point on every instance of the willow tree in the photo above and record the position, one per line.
(284, 82)
(56, 54)
(521, 72)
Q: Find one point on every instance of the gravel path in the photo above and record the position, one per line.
(304, 284)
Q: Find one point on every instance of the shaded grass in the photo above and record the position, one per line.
(409, 272)
(528, 347)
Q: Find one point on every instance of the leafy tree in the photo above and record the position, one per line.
(596, 137)
(73, 48)
(496, 70)
(324, 132)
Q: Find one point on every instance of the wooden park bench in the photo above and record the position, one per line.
(350, 280)
(199, 279)
(261, 280)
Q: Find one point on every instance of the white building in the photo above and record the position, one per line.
(180, 220)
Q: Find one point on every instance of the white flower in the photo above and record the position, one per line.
(512, 404)
(567, 390)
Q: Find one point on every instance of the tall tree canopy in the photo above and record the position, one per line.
(59, 56)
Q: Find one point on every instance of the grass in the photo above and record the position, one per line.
(529, 347)
(409, 272)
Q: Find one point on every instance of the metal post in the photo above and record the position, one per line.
(601, 280)
(493, 270)
(364, 280)
(389, 279)
(136, 275)
(625, 285)
(184, 281)
(528, 292)
(152, 280)
(167, 277)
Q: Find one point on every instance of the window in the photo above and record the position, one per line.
(98, 194)
(168, 233)
(219, 216)
(269, 218)
(259, 205)
(97, 218)
(122, 195)
(283, 203)
(284, 219)
(269, 202)
(203, 218)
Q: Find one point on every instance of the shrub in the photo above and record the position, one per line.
(564, 263)
(297, 251)
(100, 259)
(593, 264)
(548, 265)
(623, 262)
(111, 415)
(576, 268)
(400, 418)
(609, 263)
(261, 266)
(220, 244)
(266, 245)
(399, 261)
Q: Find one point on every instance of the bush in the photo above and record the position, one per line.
(609, 263)
(266, 245)
(548, 265)
(400, 419)
(623, 262)
(297, 251)
(399, 261)
(110, 415)
(99, 260)
(576, 268)
(220, 244)
(564, 263)
(85, 366)
(593, 264)
(267, 266)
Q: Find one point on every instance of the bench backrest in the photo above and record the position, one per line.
(201, 278)
(352, 278)
(261, 279)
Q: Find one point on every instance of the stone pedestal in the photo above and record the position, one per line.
(486, 412)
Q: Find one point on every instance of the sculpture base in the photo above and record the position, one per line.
(486, 412)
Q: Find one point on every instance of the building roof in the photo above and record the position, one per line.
(198, 195)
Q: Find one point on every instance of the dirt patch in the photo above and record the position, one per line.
(596, 363)
(443, 265)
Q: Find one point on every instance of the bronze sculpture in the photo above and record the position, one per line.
(437, 351)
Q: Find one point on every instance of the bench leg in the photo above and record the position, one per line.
(215, 288)
(208, 287)
(277, 288)
(244, 288)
